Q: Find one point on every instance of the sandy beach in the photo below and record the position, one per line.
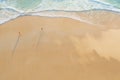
(44, 48)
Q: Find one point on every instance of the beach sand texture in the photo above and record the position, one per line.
(44, 48)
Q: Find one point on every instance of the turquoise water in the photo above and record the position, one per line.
(115, 3)
(58, 4)
(23, 4)
(10, 9)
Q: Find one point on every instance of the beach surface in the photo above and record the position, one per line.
(44, 48)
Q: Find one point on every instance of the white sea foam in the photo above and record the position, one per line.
(72, 5)
(6, 15)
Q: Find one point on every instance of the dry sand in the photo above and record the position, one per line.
(42, 48)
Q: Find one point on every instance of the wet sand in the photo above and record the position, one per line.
(42, 48)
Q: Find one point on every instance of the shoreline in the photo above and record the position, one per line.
(54, 11)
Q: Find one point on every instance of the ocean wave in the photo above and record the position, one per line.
(7, 14)
(10, 9)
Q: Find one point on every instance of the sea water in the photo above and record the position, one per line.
(10, 9)
(115, 3)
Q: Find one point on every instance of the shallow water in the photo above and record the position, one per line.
(23, 4)
(23, 7)
(115, 3)
(71, 5)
